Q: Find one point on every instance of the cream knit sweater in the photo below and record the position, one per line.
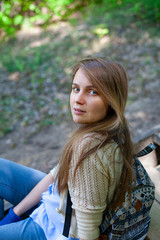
(93, 188)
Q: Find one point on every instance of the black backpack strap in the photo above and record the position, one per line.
(67, 221)
(146, 150)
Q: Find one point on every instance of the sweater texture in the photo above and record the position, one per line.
(93, 187)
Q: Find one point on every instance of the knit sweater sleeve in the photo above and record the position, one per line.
(94, 185)
(54, 171)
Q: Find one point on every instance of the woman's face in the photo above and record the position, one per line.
(86, 104)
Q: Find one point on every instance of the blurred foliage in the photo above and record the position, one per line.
(101, 30)
(13, 13)
(147, 10)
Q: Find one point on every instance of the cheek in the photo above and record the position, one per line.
(99, 109)
(102, 111)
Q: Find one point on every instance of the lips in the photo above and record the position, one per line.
(78, 111)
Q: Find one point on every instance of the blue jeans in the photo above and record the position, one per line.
(16, 181)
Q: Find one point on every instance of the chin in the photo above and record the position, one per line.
(78, 122)
(82, 122)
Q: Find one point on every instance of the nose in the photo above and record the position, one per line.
(80, 98)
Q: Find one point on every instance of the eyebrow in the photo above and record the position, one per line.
(89, 86)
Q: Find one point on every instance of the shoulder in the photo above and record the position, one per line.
(95, 140)
(109, 152)
(109, 159)
(54, 170)
(90, 140)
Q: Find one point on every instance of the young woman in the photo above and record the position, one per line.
(95, 166)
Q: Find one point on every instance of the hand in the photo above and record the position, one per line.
(34, 197)
(10, 218)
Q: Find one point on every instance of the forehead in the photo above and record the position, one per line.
(80, 78)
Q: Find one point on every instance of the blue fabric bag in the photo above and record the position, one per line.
(131, 221)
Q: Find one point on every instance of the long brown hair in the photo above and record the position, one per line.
(111, 82)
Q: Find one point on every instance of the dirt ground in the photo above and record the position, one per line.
(41, 149)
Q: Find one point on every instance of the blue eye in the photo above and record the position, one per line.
(93, 92)
(75, 89)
